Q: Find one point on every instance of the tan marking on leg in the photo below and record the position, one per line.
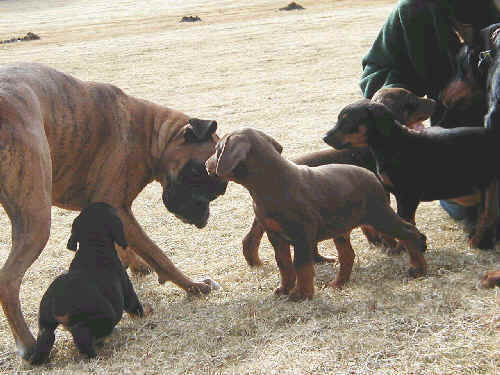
(305, 283)
(346, 260)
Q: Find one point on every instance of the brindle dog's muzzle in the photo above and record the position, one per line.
(188, 195)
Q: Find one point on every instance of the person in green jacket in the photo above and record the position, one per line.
(416, 49)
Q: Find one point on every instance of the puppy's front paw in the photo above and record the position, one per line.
(337, 283)
(297, 296)
(281, 291)
(490, 280)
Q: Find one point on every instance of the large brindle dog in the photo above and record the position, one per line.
(69, 143)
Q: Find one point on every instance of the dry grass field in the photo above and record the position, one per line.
(287, 73)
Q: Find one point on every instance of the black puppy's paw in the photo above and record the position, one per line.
(36, 357)
(487, 241)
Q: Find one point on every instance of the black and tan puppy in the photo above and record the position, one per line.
(300, 206)
(422, 166)
(474, 90)
(90, 298)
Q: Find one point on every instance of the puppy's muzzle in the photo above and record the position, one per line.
(333, 139)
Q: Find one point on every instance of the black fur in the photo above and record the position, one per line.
(425, 166)
(90, 298)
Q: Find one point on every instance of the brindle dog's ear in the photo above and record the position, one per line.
(233, 151)
(383, 118)
(117, 231)
(199, 130)
(73, 239)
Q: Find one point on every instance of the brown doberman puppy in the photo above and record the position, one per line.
(360, 157)
(69, 143)
(300, 205)
(407, 108)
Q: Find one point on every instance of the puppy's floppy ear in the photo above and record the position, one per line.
(117, 231)
(274, 142)
(233, 151)
(72, 243)
(199, 130)
(382, 117)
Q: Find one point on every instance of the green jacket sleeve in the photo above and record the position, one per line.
(415, 50)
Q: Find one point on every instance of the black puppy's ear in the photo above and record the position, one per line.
(73, 239)
(199, 130)
(383, 118)
(72, 243)
(117, 231)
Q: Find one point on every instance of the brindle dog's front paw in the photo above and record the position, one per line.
(203, 287)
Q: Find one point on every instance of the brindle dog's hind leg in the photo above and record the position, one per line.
(25, 193)
(130, 259)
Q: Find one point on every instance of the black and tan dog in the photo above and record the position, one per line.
(66, 142)
(299, 206)
(409, 109)
(90, 298)
(422, 166)
(475, 88)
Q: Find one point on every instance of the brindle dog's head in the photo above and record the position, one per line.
(187, 187)
(465, 96)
